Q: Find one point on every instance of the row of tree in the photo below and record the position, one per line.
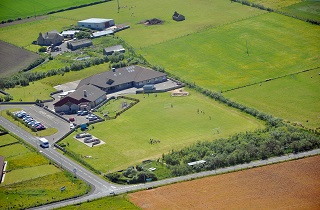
(241, 148)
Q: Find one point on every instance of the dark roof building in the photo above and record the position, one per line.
(178, 17)
(49, 38)
(79, 43)
(87, 95)
(123, 78)
(113, 49)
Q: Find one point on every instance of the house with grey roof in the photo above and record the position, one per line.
(113, 49)
(79, 43)
(85, 97)
(124, 78)
(50, 38)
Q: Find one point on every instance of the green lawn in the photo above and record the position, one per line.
(42, 88)
(276, 4)
(127, 137)
(13, 150)
(7, 139)
(28, 173)
(110, 203)
(112, 107)
(216, 59)
(23, 161)
(24, 8)
(295, 98)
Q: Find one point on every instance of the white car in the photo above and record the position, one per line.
(71, 126)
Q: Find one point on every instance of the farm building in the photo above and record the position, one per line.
(113, 49)
(79, 43)
(69, 34)
(102, 33)
(178, 17)
(84, 98)
(50, 38)
(96, 23)
(123, 78)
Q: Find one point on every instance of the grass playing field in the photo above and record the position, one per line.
(127, 138)
(280, 98)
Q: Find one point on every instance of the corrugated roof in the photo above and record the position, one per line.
(114, 48)
(94, 20)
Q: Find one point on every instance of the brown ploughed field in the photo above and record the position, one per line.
(289, 185)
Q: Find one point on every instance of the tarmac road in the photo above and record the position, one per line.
(102, 188)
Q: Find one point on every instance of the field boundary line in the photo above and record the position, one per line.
(270, 79)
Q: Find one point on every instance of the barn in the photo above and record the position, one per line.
(96, 23)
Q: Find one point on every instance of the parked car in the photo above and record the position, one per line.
(84, 113)
(79, 112)
(26, 116)
(71, 119)
(21, 115)
(29, 120)
(92, 118)
(40, 127)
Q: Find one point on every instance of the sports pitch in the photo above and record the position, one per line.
(175, 121)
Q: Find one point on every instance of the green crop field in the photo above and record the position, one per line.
(295, 98)
(127, 138)
(23, 161)
(217, 59)
(13, 150)
(24, 8)
(110, 203)
(276, 4)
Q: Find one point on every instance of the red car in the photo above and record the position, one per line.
(71, 119)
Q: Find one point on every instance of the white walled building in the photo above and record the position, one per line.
(96, 23)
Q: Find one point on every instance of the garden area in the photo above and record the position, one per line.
(31, 179)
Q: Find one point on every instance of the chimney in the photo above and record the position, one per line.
(85, 93)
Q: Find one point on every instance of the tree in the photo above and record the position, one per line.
(83, 35)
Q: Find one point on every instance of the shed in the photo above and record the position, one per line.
(96, 23)
(102, 33)
(79, 43)
(69, 34)
(178, 17)
(149, 87)
(113, 49)
(196, 162)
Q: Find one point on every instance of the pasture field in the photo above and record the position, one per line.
(14, 59)
(110, 203)
(31, 180)
(7, 139)
(41, 89)
(217, 58)
(279, 97)
(306, 9)
(199, 16)
(276, 4)
(300, 8)
(289, 185)
(127, 138)
(24, 8)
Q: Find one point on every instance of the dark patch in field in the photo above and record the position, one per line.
(14, 59)
(153, 21)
